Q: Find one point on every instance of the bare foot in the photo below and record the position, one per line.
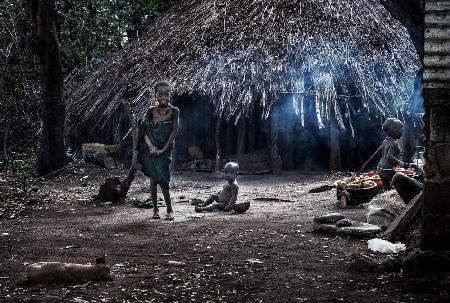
(156, 214)
(169, 216)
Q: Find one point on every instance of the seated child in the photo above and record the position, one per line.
(390, 152)
(228, 196)
(406, 186)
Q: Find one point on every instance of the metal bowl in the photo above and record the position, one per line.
(359, 196)
(241, 208)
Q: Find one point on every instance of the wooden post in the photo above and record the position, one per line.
(242, 136)
(275, 158)
(229, 142)
(251, 134)
(335, 150)
(218, 148)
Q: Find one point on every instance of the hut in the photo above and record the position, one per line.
(307, 80)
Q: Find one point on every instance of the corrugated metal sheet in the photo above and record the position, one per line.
(437, 44)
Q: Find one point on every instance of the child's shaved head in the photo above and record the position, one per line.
(231, 167)
(161, 84)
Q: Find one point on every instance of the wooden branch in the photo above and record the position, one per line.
(126, 183)
(112, 189)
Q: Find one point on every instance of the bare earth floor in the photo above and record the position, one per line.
(268, 254)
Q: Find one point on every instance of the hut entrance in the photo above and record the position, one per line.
(299, 142)
(195, 139)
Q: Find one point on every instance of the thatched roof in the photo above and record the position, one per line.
(241, 53)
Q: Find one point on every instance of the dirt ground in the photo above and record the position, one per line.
(268, 254)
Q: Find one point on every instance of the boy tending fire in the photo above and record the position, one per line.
(228, 196)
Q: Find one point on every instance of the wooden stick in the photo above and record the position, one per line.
(371, 157)
(126, 183)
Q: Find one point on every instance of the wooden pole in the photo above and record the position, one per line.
(218, 147)
(275, 158)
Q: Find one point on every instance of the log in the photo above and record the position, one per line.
(399, 228)
(100, 148)
(98, 159)
(99, 154)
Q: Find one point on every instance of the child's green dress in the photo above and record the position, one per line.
(156, 167)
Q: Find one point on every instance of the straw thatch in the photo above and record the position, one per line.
(246, 52)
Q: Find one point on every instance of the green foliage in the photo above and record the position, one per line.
(157, 6)
(92, 30)
(23, 166)
(89, 32)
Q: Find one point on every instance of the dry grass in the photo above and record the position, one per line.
(248, 52)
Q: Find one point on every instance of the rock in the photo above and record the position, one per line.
(420, 285)
(325, 228)
(445, 283)
(329, 218)
(196, 153)
(33, 201)
(109, 190)
(359, 229)
(344, 223)
(426, 263)
(197, 202)
(364, 264)
(390, 265)
(176, 264)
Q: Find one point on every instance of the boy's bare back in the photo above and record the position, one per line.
(229, 191)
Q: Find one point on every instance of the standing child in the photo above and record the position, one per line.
(156, 145)
(228, 196)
